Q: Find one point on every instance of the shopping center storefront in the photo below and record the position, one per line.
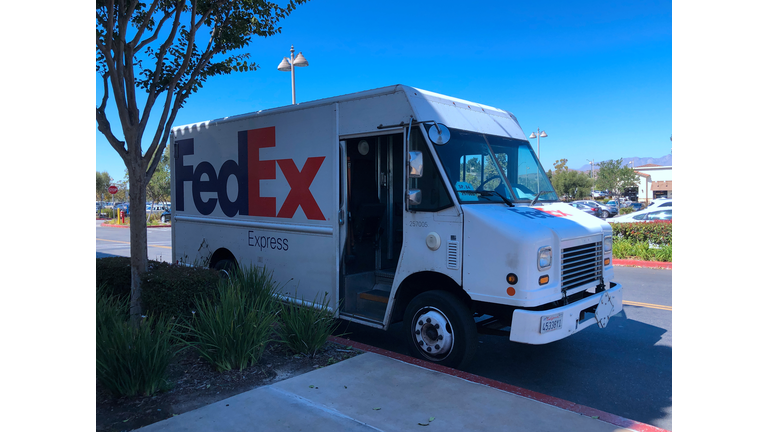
(661, 189)
(653, 181)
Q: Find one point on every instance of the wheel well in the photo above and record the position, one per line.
(220, 255)
(418, 283)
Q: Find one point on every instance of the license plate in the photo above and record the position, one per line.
(551, 322)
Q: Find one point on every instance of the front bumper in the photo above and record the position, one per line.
(526, 325)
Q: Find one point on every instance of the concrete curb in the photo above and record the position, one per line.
(539, 397)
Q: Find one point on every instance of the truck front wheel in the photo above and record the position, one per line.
(439, 328)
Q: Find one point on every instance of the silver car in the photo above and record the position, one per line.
(594, 211)
(604, 211)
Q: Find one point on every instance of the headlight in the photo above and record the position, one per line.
(608, 244)
(545, 257)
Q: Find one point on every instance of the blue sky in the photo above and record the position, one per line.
(596, 76)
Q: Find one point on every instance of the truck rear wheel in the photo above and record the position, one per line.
(225, 267)
(439, 328)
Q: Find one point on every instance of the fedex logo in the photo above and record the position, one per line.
(249, 170)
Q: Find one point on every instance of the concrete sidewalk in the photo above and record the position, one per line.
(374, 392)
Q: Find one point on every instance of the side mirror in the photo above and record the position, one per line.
(414, 196)
(439, 134)
(415, 164)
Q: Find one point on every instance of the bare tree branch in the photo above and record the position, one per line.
(104, 126)
(135, 42)
(158, 27)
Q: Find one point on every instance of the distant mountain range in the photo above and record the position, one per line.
(638, 161)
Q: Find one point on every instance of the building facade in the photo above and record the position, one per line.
(654, 181)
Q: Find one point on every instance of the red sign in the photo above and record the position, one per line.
(112, 189)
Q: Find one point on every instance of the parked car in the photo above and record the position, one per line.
(647, 215)
(604, 211)
(660, 203)
(156, 207)
(636, 206)
(594, 211)
(612, 203)
(617, 204)
(125, 207)
(599, 194)
(165, 217)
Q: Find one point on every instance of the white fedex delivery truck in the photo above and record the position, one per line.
(403, 205)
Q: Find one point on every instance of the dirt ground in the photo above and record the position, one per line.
(196, 384)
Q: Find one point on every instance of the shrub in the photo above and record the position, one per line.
(626, 210)
(304, 328)
(233, 332)
(256, 283)
(114, 275)
(657, 232)
(626, 249)
(129, 360)
(107, 213)
(172, 289)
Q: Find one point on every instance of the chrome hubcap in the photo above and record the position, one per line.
(432, 332)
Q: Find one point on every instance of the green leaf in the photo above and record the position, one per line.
(376, 409)
(431, 419)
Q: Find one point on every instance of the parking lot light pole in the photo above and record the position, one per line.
(538, 134)
(289, 65)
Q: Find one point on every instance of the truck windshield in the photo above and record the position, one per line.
(482, 168)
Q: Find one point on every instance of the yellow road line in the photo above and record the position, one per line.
(648, 305)
(125, 242)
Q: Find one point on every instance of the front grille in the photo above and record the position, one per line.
(582, 264)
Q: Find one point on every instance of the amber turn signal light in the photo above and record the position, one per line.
(511, 278)
(607, 262)
(544, 280)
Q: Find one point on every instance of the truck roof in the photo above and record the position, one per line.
(425, 105)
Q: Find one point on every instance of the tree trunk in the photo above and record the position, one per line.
(138, 237)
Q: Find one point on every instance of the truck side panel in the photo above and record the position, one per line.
(265, 189)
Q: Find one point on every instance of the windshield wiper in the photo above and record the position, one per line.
(485, 193)
(533, 201)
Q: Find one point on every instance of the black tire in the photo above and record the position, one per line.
(162, 219)
(439, 328)
(605, 214)
(225, 267)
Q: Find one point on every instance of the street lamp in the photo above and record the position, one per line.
(538, 134)
(288, 66)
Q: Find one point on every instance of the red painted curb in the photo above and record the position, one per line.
(645, 264)
(549, 400)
